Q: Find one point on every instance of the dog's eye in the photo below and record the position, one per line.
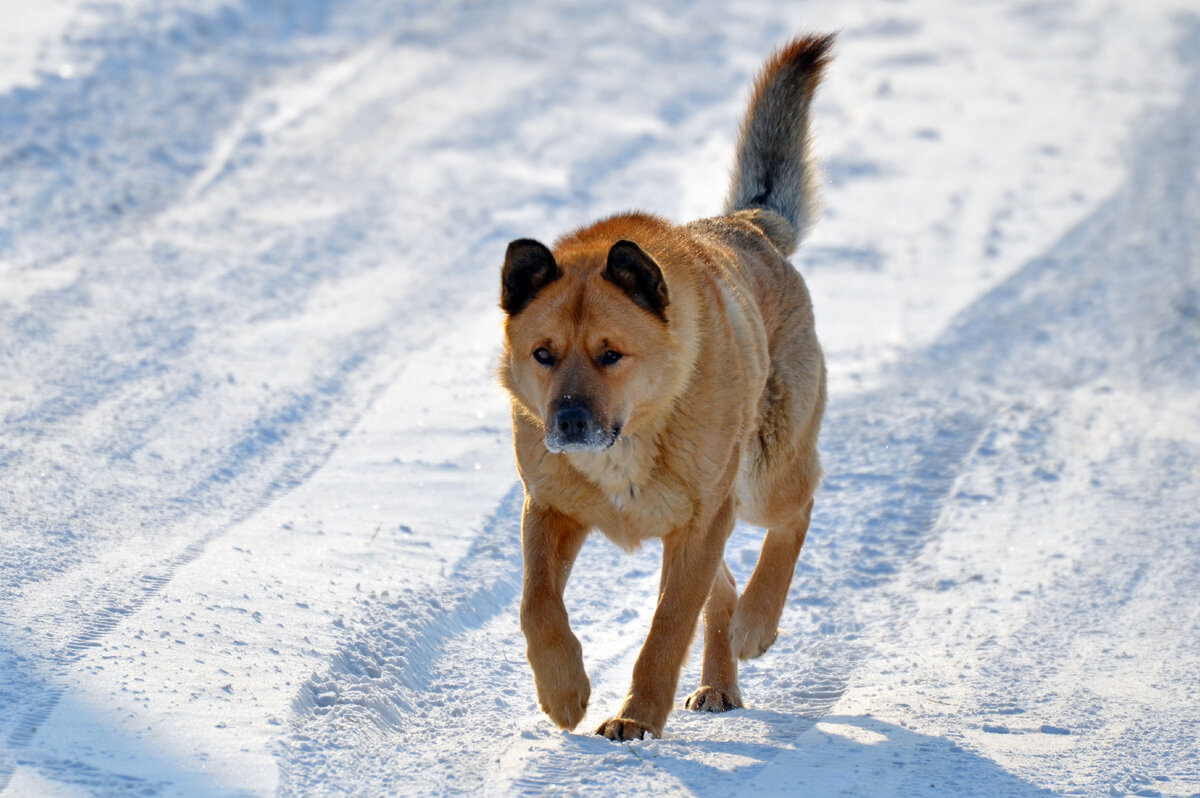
(543, 356)
(610, 357)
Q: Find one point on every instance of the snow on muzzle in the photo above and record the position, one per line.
(574, 427)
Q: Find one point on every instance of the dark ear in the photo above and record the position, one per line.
(636, 273)
(528, 268)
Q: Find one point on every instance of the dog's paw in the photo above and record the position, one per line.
(712, 699)
(566, 701)
(562, 682)
(626, 729)
(752, 631)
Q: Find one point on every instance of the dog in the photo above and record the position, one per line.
(666, 381)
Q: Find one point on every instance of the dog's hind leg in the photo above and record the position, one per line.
(755, 622)
(718, 676)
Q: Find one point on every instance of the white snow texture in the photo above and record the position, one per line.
(259, 518)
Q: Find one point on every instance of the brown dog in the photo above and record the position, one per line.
(666, 381)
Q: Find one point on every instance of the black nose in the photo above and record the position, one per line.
(572, 422)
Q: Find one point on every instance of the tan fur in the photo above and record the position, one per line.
(718, 402)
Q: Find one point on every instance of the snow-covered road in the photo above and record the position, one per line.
(258, 516)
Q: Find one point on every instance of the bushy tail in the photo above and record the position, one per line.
(774, 169)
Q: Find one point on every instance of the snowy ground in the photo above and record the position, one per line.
(258, 516)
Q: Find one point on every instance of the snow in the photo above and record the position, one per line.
(258, 513)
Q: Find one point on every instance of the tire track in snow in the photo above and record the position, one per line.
(274, 453)
(210, 499)
(383, 672)
(94, 346)
(288, 445)
(280, 442)
(90, 158)
(1123, 362)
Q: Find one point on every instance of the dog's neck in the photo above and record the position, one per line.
(619, 470)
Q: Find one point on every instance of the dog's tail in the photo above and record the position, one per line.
(774, 169)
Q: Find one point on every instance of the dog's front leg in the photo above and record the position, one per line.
(550, 541)
(691, 557)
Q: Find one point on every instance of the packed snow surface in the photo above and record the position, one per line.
(258, 512)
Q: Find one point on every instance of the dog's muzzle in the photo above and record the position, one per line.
(574, 428)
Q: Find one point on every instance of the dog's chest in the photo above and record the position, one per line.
(632, 502)
(642, 512)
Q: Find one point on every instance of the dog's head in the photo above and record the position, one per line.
(588, 343)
